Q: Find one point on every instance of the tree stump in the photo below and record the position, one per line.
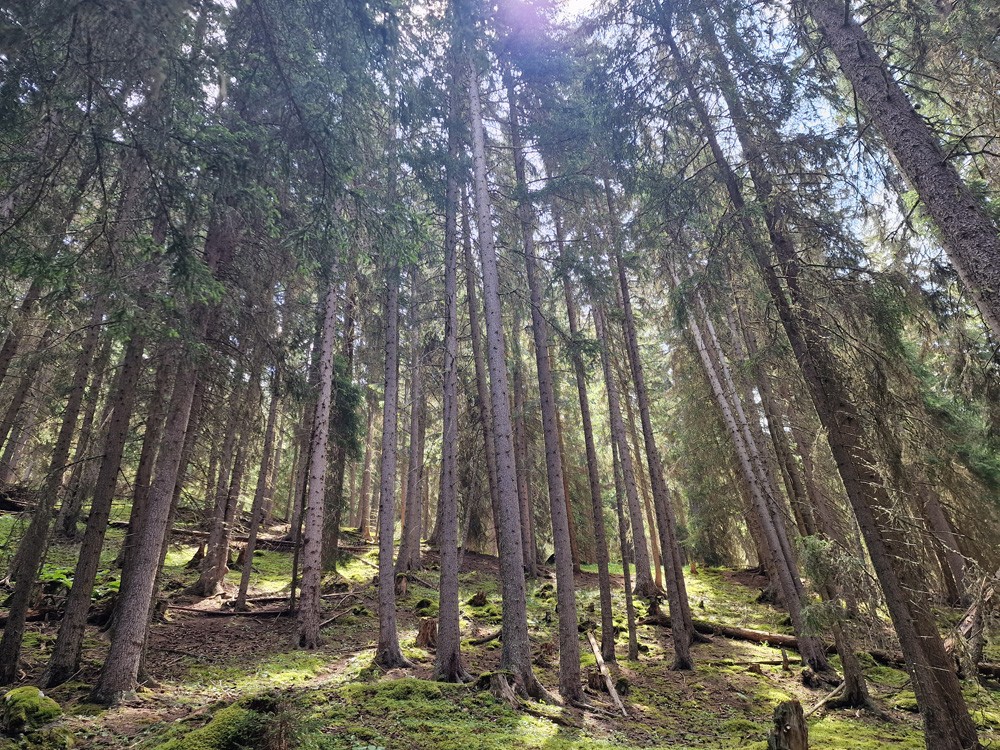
(790, 731)
(427, 635)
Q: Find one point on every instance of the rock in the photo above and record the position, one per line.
(25, 709)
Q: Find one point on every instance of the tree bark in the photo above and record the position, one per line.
(569, 641)
(312, 543)
(388, 654)
(479, 360)
(682, 632)
(644, 585)
(409, 547)
(65, 659)
(448, 664)
(633, 641)
(515, 656)
(257, 511)
(948, 725)
(135, 597)
(31, 550)
(593, 468)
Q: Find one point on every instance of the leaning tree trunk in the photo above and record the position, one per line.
(515, 655)
(967, 231)
(31, 550)
(312, 543)
(791, 588)
(569, 640)
(65, 659)
(155, 414)
(947, 723)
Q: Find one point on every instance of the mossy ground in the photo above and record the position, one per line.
(333, 698)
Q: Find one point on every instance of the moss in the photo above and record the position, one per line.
(231, 728)
(55, 738)
(27, 708)
(905, 701)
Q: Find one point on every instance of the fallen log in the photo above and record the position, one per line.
(779, 640)
(782, 640)
(231, 612)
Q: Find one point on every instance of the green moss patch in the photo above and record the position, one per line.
(25, 709)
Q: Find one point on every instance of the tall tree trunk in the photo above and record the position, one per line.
(257, 511)
(515, 656)
(643, 481)
(522, 462)
(24, 386)
(331, 542)
(65, 659)
(121, 667)
(215, 564)
(364, 501)
(682, 627)
(409, 547)
(479, 360)
(312, 543)
(155, 415)
(633, 641)
(947, 723)
(31, 550)
(569, 639)
(969, 235)
(448, 664)
(388, 653)
(77, 489)
(644, 586)
(593, 468)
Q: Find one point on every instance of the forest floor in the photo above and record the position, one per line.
(220, 679)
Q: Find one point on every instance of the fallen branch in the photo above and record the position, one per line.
(485, 639)
(605, 673)
(335, 617)
(826, 699)
(422, 582)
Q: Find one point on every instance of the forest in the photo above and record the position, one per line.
(384, 374)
